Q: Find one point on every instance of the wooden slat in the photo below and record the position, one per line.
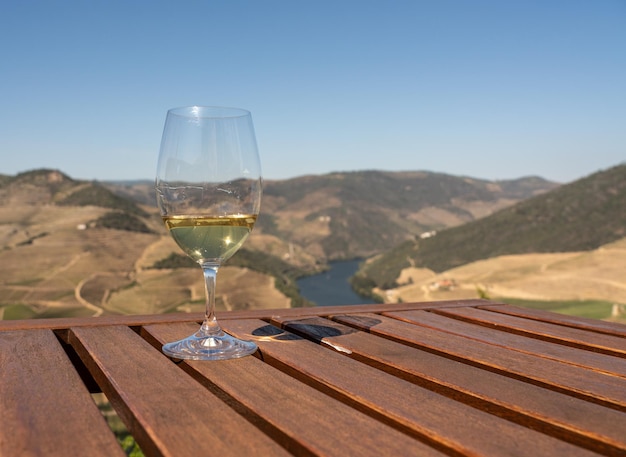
(583, 339)
(594, 325)
(45, 410)
(64, 323)
(457, 380)
(167, 412)
(139, 320)
(574, 420)
(302, 419)
(456, 427)
(459, 321)
(592, 386)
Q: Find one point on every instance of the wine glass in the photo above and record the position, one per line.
(208, 188)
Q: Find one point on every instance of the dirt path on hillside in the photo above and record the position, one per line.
(145, 255)
(63, 268)
(97, 311)
(77, 294)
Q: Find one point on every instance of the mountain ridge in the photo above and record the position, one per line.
(313, 219)
(347, 215)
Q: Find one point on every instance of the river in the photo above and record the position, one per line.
(332, 287)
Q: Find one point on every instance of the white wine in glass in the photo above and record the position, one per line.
(208, 189)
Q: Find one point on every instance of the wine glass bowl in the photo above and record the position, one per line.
(208, 189)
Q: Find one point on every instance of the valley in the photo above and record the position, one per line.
(75, 248)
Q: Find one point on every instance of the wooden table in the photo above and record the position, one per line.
(465, 377)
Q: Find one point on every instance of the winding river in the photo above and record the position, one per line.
(332, 287)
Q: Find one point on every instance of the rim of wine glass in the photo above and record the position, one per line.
(208, 112)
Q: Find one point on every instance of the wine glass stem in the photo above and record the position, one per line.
(210, 325)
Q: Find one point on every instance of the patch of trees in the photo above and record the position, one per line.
(122, 221)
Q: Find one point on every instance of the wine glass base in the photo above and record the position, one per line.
(212, 347)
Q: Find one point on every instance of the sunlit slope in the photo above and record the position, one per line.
(598, 274)
(581, 216)
(74, 248)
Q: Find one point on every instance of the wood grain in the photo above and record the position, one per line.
(561, 415)
(458, 378)
(167, 412)
(592, 325)
(441, 421)
(463, 322)
(64, 323)
(45, 410)
(578, 338)
(561, 377)
(300, 418)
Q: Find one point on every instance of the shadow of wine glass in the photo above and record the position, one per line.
(272, 333)
(316, 329)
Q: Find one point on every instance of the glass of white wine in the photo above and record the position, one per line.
(208, 188)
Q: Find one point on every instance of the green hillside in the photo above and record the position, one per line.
(580, 216)
(97, 195)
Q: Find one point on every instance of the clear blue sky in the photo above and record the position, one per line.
(492, 89)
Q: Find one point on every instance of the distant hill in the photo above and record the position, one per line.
(580, 216)
(359, 214)
(45, 186)
(139, 191)
(311, 220)
(35, 187)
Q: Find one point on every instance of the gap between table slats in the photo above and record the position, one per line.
(578, 338)
(592, 325)
(45, 407)
(459, 323)
(566, 417)
(302, 419)
(592, 386)
(417, 411)
(166, 411)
